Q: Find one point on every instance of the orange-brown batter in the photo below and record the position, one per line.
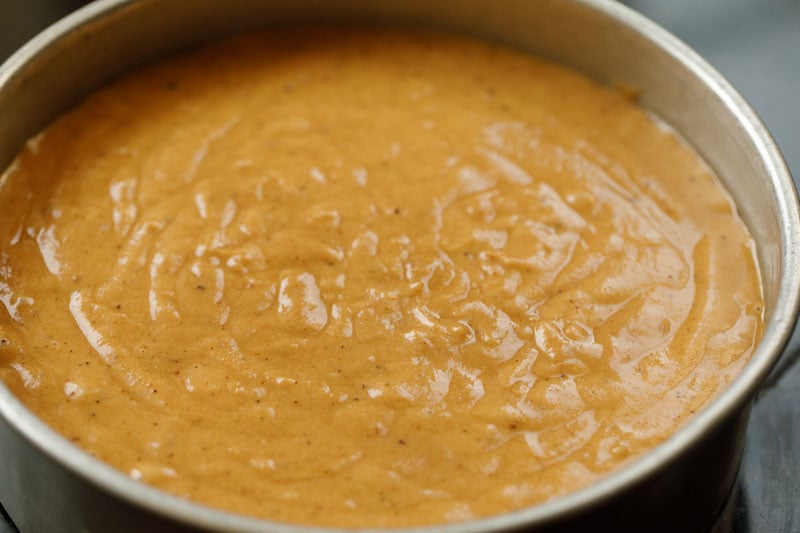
(367, 278)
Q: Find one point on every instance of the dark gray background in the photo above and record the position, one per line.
(756, 45)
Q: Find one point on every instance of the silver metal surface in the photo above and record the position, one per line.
(54, 486)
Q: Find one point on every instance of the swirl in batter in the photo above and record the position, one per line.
(367, 278)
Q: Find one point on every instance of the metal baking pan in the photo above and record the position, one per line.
(48, 484)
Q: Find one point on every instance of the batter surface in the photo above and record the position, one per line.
(367, 278)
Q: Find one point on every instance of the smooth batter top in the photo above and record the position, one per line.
(367, 278)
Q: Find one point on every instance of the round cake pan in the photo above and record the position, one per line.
(48, 484)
